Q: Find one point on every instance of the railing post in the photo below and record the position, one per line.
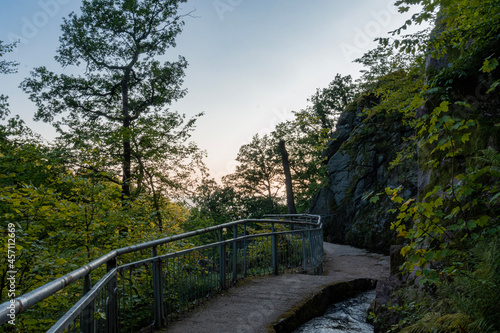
(274, 251)
(157, 290)
(311, 249)
(111, 302)
(318, 252)
(87, 320)
(245, 250)
(235, 253)
(304, 256)
(222, 261)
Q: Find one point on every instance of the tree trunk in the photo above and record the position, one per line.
(288, 179)
(156, 205)
(127, 150)
(270, 193)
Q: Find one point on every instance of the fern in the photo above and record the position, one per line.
(437, 322)
(490, 157)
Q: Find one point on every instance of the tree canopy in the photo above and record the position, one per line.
(115, 111)
(6, 67)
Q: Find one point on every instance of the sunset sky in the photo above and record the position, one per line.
(251, 62)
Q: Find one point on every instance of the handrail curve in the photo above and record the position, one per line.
(308, 223)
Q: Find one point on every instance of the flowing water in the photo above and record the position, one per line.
(348, 316)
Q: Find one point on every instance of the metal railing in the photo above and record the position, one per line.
(142, 290)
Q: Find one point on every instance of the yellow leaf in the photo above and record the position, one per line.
(60, 261)
(398, 200)
(408, 202)
(465, 137)
(433, 138)
(403, 233)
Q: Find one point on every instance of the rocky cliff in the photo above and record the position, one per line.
(358, 160)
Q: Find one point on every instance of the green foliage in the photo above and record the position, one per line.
(258, 172)
(67, 200)
(6, 67)
(476, 292)
(381, 64)
(458, 22)
(450, 229)
(258, 182)
(408, 312)
(258, 178)
(213, 205)
(309, 133)
(115, 113)
(468, 302)
(118, 141)
(63, 220)
(305, 140)
(439, 225)
(328, 103)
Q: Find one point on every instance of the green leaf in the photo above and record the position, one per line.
(471, 224)
(494, 85)
(60, 262)
(465, 137)
(483, 220)
(489, 65)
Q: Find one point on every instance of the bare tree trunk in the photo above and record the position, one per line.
(288, 179)
(127, 150)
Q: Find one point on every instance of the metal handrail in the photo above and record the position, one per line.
(229, 241)
(29, 299)
(82, 303)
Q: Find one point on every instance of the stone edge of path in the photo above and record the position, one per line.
(317, 305)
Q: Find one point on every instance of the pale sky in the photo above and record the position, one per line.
(251, 62)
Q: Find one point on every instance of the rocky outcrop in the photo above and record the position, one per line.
(358, 162)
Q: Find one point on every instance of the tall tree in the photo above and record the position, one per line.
(259, 172)
(288, 178)
(305, 144)
(105, 110)
(308, 134)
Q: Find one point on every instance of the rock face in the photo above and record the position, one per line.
(358, 162)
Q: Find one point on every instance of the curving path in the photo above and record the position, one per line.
(254, 304)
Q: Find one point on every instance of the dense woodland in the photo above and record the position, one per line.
(123, 169)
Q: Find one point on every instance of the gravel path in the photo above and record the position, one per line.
(254, 304)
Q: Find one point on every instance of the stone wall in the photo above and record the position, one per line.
(358, 158)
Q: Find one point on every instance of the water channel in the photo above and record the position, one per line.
(348, 316)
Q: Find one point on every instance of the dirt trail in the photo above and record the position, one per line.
(255, 303)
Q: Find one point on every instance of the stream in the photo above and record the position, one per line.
(344, 317)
